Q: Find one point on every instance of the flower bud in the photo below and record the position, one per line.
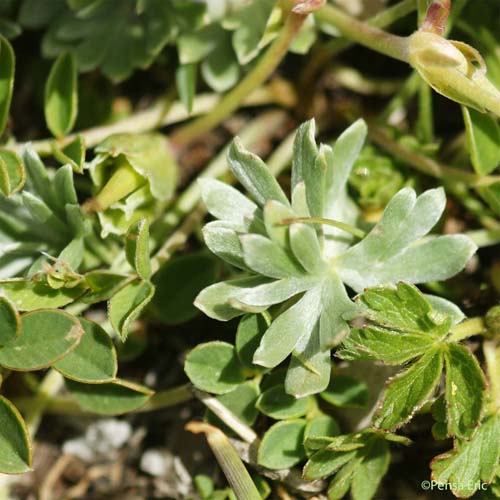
(455, 70)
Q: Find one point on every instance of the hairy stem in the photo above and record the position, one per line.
(491, 352)
(468, 328)
(436, 17)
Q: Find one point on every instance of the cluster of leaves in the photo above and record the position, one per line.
(222, 38)
(402, 328)
(285, 255)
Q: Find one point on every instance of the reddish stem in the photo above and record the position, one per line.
(436, 17)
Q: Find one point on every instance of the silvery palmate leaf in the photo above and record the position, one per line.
(285, 256)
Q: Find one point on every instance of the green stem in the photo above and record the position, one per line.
(257, 76)
(491, 353)
(153, 118)
(365, 34)
(466, 329)
(358, 233)
(65, 406)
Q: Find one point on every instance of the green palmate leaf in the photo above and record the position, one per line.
(254, 175)
(73, 153)
(250, 330)
(277, 404)
(111, 398)
(185, 78)
(94, 359)
(240, 402)
(10, 321)
(403, 308)
(190, 273)
(12, 173)
(385, 256)
(61, 96)
(483, 137)
(346, 392)
(409, 390)
(369, 473)
(137, 248)
(214, 367)
(15, 446)
(282, 445)
(287, 257)
(389, 346)
(465, 390)
(45, 337)
(126, 305)
(470, 462)
(7, 63)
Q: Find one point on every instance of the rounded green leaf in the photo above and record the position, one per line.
(10, 322)
(281, 447)
(214, 367)
(276, 403)
(7, 64)
(46, 336)
(127, 304)
(178, 283)
(15, 446)
(12, 172)
(111, 398)
(94, 359)
(61, 96)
